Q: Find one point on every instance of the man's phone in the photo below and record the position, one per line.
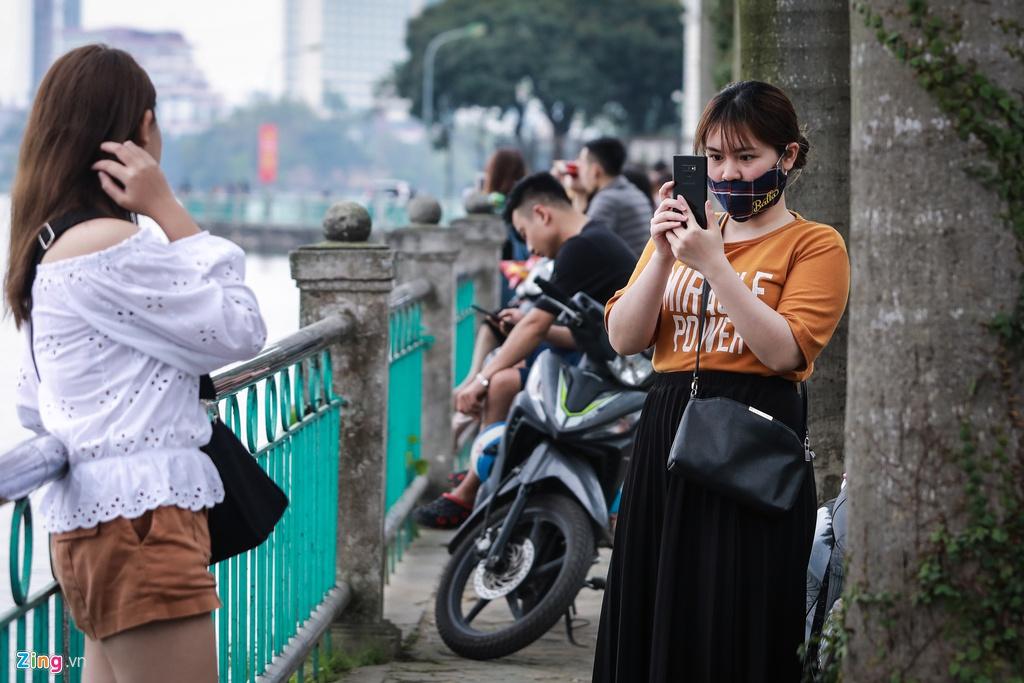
(690, 174)
(493, 315)
(496, 324)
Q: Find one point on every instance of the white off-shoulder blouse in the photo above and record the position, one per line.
(121, 337)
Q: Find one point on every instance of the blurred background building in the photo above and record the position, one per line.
(50, 18)
(185, 102)
(336, 51)
(327, 75)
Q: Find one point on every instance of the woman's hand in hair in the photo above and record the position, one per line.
(134, 180)
(702, 250)
(140, 185)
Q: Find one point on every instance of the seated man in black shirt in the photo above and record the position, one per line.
(588, 258)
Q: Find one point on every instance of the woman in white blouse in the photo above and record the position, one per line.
(120, 322)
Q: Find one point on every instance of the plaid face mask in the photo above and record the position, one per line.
(742, 199)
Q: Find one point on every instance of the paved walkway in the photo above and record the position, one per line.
(409, 604)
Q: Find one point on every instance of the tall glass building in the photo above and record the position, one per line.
(336, 51)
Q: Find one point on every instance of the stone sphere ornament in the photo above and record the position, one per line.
(424, 210)
(347, 222)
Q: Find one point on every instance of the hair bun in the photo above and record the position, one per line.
(801, 155)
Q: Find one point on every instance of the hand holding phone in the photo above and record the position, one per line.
(492, 315)
(494, 320)
(510, 316)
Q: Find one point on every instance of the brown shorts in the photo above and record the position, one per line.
(128, 572)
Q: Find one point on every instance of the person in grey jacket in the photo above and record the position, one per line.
(614, 200)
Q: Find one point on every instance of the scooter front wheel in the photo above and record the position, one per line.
(485, 614)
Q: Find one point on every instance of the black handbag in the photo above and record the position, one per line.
(737, 450)
(252, 503)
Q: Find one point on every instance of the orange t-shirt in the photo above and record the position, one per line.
(801, 270)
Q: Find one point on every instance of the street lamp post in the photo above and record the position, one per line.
(474, 30)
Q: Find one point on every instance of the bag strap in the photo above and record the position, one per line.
(48, 234)
(52, 230)
(802, 388)
(700, 317)
(207, 392)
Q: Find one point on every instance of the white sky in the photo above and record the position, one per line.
(237, 43)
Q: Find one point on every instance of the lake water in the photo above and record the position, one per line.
(279, 301)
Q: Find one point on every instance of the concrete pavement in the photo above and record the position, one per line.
(409, 604)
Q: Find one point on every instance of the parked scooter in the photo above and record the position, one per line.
(519, 560)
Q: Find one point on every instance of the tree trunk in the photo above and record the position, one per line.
(803, 46)
(932, 265)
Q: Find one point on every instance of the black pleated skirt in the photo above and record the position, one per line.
(700, 588)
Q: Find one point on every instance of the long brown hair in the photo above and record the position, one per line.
(504, 169)
(90, 95)
(752, 108)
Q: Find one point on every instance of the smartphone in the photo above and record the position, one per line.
(494, 322)
(484, 311)
(690, 174)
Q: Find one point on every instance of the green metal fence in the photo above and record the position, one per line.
(465, 339)
(266, 594)
(38, 624)
(409, 343)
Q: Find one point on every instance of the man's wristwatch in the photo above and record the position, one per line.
(483, 380)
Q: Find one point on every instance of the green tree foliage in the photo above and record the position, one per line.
(591, 58)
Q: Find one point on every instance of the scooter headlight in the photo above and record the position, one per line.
(619, 427)
(533, 388)
(634, 370)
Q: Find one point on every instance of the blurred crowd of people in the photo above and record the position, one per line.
(600, 205)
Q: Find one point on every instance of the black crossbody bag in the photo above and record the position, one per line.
(252, 503)
(737, 450)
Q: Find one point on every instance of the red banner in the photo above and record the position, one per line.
(268, 153)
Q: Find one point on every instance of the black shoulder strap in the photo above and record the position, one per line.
(52, 231)
(802, 388)
(704, 292)
(207, 391)
(48, 234)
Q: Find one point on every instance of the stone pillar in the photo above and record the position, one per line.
(481, 234)
(345, 275)
(426, 250)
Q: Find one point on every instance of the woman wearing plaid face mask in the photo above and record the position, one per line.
(702, 587)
